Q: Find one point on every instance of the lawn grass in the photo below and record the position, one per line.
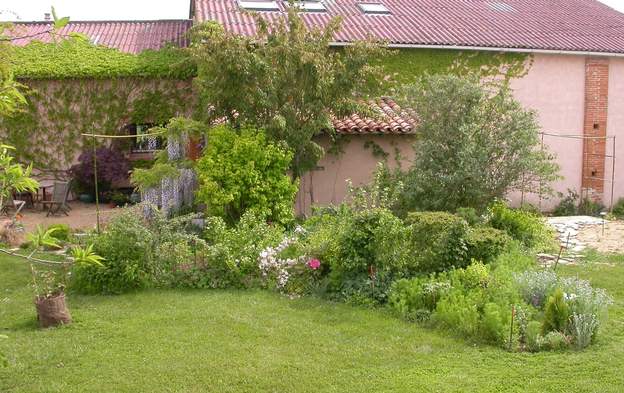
(236, 341)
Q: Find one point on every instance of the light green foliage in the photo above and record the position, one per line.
(474, 145)
(86, 256)
(61, 232)
(44, 238)
(229, 330)
(438, 239)
(526, 227)
(129, 262)
(407, 65)
(383, 191)
(241, 172)
(556, 313)
(285, 79)
(77, 57)
(415, 299)
(486, 244)
(534, 338)
(11, 97)
(14, 177)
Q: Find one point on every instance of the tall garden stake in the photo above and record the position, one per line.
(95, 178)
(513, 314)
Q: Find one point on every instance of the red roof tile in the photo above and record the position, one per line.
(392, 120)
(566, 25)
(127, 36)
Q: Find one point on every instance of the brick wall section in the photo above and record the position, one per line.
(595, 125)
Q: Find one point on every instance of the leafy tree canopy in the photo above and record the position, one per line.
(476, 143)
(285, 79)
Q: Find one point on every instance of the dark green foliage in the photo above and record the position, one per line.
(439, 240)
(474, 146)
(127, 246)
(470, 215)
(526, 227)
(618, 209)
(486, 244)
(589, 207)
(242, 171)
(568, 206)
(556, 313)
(368, 256)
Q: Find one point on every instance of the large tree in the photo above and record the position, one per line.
(476, 143)
(285, 79)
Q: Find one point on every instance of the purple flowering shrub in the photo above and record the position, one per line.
(112, 166)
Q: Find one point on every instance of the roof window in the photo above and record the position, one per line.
(373, 8)
(502, 7)
(258, 5)
(310, 6)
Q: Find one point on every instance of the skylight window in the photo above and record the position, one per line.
(259, 5)
(502, 7)
(310, 6)
(373, 8)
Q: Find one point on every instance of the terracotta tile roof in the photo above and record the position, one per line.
(566, 25)
(127, 36)
(392, 120)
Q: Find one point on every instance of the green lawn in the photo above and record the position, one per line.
(220, 341)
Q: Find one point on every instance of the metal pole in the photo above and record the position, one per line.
(612, 174)
(95, 178)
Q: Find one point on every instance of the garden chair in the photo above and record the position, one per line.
(15, 204)
(58, 203)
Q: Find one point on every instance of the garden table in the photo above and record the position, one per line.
(43, 186)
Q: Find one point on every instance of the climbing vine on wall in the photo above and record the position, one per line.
(77, 57)
(48, 131)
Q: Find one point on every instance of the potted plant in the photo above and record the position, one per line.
(49, 285)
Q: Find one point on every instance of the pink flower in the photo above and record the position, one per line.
(314, 264)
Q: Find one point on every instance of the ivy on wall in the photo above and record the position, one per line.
(48, 131)
(406, 65)
(77, 57)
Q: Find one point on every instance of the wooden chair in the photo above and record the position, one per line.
(14, 204)
(59, 199)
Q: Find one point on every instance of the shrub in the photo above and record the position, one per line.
(528, 228)
(439, 240)
(583, 329)
(474, 145)
(470, 215)
(61, 231)
(241, 172)
(112, 166)
(231, 257)
(588, 207)
(618, 209)
(415, 299)
(556, 341)
(568, 206)
(372, 252)
(556, 313)
(536, 286)
(534, 338)
(126, 245)
(486, 243)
